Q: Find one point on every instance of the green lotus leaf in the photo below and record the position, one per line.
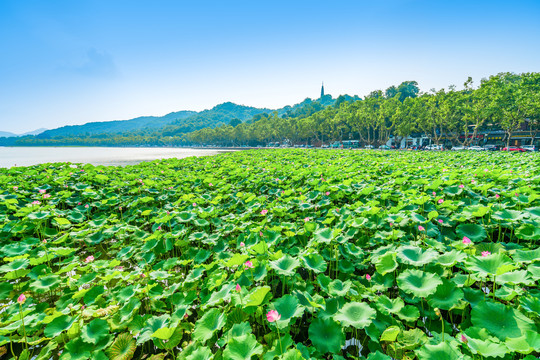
(446, 297)
(386, 263)
(339, 288)
(451, 258)
(257, 296)
(212, 321)
(528, 232)
(57, 325)
(474, 232)
(152, 325)
(413, 255)
(186, 216)
(285, 266)
(242, 348)
(494, 264)
(19, 264)
(377, 355)
(76, 349)
(95, 331)
(323, 236)
(388, 306)
(326, 335)
(219, 296)
(289, 308)
(195, 275)
(441, 351)
(530, 304)
(490, 347)
(5, 289)
(355, 314)
(390, 333)
(526, 344)
(527, 256)
(314, 262)
(500, 320)
(123, 347)
(418, 283)
(507, 215)
(515, 278)
(201, 353)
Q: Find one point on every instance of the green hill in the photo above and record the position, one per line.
(117, 126)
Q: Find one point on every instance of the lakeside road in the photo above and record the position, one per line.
(27, 156)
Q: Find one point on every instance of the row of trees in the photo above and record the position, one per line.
(507, 102)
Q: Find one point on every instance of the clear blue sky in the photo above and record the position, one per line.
(71, 62)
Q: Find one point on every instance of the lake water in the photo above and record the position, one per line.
(25, 156)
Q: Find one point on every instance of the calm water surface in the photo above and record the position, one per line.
(25, 156)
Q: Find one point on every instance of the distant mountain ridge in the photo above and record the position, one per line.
(179, 122)
(10, 134)
(117, 126)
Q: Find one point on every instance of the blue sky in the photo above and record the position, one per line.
(71, 62)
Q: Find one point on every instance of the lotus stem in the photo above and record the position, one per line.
(23, 328)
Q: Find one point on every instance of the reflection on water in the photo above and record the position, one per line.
(25, 156)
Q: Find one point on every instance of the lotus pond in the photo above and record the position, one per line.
(273, 254)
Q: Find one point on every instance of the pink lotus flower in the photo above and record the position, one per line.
(79, 203)
(159, 227)
(248, 264)
(327, 193)
(461, 186)
(464, 339)
(86, 206)
(35, 202)
(421, 228)
(168, 213)
(42, 191)
(120, 208)
(15, 188)
(473, 181)
(89, 259)
(238, 288)
(368, 277)
(306, 219)
(260, 233)
(440, 221)
(485, 253)
(440, 201)
(517, 194)
(264, 212)
(433, 193)
(497, 196)
(143, 275)
(391, 224)
(242, 244)
(21, 299)
(210, 184)
(272, 316)
(46, 196)
(466, 240)
(194, 204)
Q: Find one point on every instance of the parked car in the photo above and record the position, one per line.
(368, 147)
(529, 147)
(492, 147)
(434, 147)
(385, 147)
(457, 148)
(476, 148)
(513, 148)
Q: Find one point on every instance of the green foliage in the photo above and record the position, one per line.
(177, 258)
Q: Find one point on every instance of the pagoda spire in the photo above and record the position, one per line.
(322, 90)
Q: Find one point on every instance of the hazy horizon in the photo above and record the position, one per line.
(69, 63)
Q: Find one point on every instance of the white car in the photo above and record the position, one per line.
(457, 148)
(476, 148)
(434, 147)
(529, 147)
